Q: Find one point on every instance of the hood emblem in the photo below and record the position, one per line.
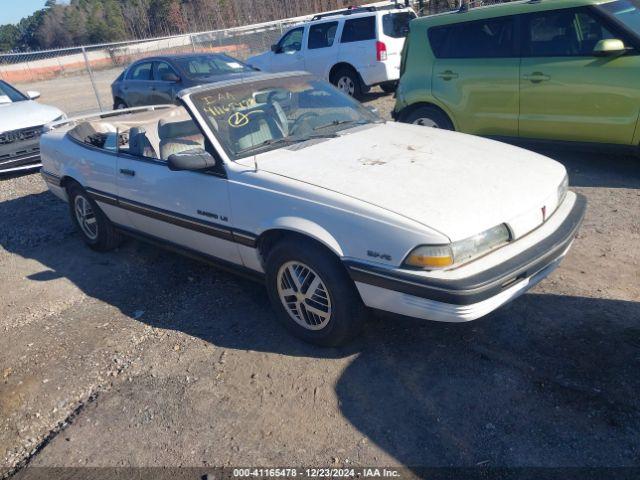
(544, 213)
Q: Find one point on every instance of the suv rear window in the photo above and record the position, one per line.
(491, 38)
(358, 29)
(396, 25)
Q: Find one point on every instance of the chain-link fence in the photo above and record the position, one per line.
(78, 80)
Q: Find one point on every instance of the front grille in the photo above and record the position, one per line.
(20, 147)
(22, 135)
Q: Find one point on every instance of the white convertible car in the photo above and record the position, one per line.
(286, 179)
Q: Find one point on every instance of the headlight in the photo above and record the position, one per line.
(431, 257)
(563, 188)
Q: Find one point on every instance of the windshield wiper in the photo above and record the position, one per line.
(335, 123)
(268, 143)
(284, 141)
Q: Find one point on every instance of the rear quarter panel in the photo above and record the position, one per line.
(91, 168)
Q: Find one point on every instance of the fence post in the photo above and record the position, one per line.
(193, 45)
(93, 81)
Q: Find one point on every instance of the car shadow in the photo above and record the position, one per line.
(547, 380)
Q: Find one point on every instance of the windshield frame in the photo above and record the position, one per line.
(193, 95)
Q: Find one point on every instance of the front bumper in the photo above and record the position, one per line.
(468, 298)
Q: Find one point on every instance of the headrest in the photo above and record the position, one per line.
(167, 130)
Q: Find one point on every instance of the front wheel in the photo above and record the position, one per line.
(428, 116)
(312, 294)
(96, 229)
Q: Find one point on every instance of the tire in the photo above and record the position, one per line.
(389, 87)
(429, 116)
(348, 81)
(96, 229)
(335, 294)
(119, 104)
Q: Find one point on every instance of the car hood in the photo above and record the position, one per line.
(261, 61)
(457, 184)
(25, 114)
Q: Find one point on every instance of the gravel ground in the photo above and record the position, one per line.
(140, 357)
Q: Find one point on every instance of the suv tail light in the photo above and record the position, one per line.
(381, 51)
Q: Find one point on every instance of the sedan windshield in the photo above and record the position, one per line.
(8, 94)
(626, 12)
(203, 66)
(257, 116)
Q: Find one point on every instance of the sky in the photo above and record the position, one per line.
(11, 11)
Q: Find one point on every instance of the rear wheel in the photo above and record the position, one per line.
(119, 104)
(96, 229)
(312, 294)
(428, 116)
(389, 87)
(348, 81)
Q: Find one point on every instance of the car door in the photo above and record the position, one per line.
(137, 85)
(321, 48)
(567, 92)
(475, 74)
(358, 43)
(288, 53)
(163, 90)
(186, 208)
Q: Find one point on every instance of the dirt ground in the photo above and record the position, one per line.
(140, 357)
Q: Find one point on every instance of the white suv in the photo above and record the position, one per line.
(354, 49)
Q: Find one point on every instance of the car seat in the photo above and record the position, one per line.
(176, 137)
(139, 144)
(263, 125)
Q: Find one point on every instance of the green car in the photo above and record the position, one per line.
(548, 69)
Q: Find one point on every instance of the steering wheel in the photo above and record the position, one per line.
(306, 116)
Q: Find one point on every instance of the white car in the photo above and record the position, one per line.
(354, 49)
(21, 122)
(288, 180)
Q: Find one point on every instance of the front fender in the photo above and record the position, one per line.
(307, 228)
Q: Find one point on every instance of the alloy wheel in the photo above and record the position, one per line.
(347, 85)
(86, 217)
(304, 295)
(426, 122)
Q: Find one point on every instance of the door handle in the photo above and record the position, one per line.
(537, 77)
(448, 75)
(126, 171)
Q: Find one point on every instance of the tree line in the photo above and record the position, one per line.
(82, 22)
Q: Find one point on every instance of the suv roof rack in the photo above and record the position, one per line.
(354, 10)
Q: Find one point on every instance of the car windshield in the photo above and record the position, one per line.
(396, 25)
(626, 12)
(203, 66)
(257, 116)
(8, 94)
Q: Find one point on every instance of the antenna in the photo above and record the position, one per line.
(255, 163)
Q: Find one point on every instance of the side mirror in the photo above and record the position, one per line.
(33, 94)
(276, 48)
(609, 47)
(194, 159)
(170, 77)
